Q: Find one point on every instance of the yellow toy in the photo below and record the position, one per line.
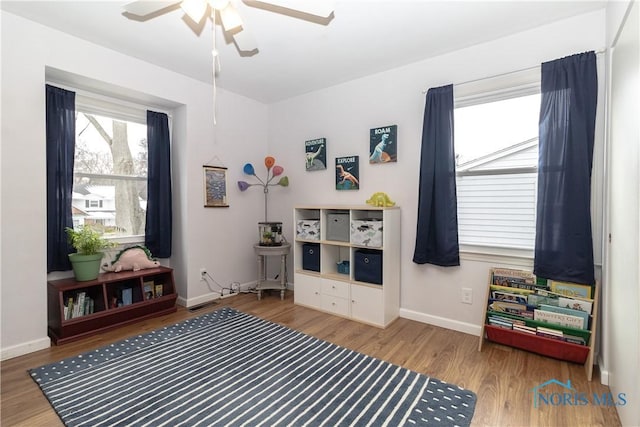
(380, 200)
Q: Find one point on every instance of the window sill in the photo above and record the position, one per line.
(127, 240)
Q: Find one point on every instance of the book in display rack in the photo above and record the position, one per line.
(551, 318)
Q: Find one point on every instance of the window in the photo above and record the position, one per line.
(110, 170)
(496, 147)
(93, 203)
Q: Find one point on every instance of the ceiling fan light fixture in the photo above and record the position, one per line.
(230, 18)
(195, 9)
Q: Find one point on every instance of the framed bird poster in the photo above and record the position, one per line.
(347, 173)
(383, 144)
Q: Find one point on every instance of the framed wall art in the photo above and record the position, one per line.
(315, 154)
(383, 144)
(347, 173)
(215, 187)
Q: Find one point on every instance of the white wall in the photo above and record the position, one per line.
(201, 236)
(622, 291)
(221, 239)
(615, 15)
(345, 113)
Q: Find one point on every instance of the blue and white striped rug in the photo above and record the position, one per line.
(228, 368)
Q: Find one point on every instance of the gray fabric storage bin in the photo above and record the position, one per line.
(338, 226)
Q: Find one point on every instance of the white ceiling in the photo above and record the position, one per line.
(297, 56)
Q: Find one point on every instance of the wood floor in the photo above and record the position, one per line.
(502, 377)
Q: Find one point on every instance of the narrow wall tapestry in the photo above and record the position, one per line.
(215, 187)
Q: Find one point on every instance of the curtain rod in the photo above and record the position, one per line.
(597, 52)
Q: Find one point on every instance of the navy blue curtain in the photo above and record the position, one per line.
(159, 217)
(437, 229)
(564, 249)
(61, 143)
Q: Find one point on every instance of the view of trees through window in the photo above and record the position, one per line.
(110, 175)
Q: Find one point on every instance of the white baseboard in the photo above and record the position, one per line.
(604, 374)
(202, 299)
(25, 348)
(467, 328)
(245, 287)
(212, 296)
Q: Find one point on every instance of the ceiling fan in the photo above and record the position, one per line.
(197, 10)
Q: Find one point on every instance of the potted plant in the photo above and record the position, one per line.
(88, 244)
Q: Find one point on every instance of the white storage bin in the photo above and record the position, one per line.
(367, 232)
(308, 229)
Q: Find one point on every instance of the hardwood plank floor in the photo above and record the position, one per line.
(502, 377)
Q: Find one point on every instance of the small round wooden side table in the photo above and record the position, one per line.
(263, 282)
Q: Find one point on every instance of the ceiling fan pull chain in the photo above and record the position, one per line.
(215, 63)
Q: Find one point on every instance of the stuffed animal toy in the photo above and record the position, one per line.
(380, 199)
(134, 258)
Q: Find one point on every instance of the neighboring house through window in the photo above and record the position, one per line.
(496, 147)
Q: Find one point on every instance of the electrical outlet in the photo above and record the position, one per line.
(203, 272)
(467, 296)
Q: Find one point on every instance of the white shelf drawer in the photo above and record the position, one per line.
(335, 305)
(335, 288)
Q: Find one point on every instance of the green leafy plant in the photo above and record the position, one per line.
(87, 241)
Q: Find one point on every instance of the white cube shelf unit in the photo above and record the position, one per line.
(334, 290)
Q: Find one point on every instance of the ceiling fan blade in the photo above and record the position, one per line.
(245, 42)
(147, 7)
(322, 8)
(230, 18)
(196, 10)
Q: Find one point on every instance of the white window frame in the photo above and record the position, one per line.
(482, 91)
